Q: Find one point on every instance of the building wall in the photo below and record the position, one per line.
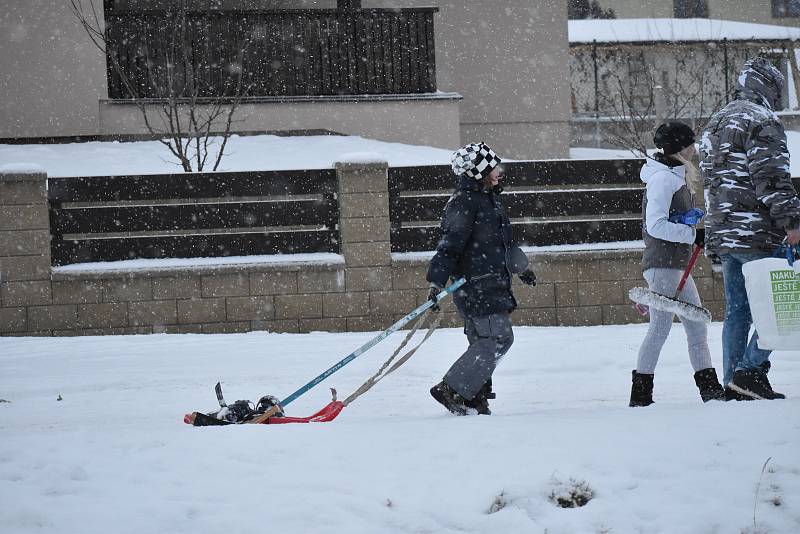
(368, 290)
(756, 11)
(419, 121)
(509, 68)
(512, 73)
(59, 89)
(53, 76)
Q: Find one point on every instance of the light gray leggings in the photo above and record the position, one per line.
(665, 281)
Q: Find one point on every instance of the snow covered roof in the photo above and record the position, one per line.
(657, 30)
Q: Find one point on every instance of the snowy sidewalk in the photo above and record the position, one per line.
(114, 455)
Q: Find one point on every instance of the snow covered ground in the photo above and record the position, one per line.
(115, 456)
(258, 152)
(242, 153)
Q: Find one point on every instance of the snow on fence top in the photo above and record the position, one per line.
(362, 157)
(21, 168)
(666, 30)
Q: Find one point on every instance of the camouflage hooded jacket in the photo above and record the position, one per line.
(744, 162)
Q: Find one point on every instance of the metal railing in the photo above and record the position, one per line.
(279, 53)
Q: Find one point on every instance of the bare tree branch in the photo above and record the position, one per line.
(686, 85)
(176, 92)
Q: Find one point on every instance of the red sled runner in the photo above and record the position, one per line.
(328, 413)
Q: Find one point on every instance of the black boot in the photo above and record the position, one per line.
(708, 384)
(731, 395)
(480, 402)
(641, 389)
(447, 397)
(753, 384)
(775, 394)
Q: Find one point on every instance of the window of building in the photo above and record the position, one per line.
(785, 8)
(690, 9)
(588, 9)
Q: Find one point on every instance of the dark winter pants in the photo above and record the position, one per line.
(490, 337)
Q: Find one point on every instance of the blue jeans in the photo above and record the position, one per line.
(737, 352)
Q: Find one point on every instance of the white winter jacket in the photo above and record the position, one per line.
(662, 183)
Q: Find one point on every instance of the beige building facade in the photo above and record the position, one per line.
(502, 79)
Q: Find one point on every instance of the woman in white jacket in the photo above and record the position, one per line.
(668, 247)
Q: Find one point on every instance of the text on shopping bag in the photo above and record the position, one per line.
(786, 299)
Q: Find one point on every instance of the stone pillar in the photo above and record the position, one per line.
(24, 248)
(363, 195)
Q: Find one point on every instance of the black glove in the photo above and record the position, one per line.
(528, 277)
(716, 262)
(432, 294)
(700, 237)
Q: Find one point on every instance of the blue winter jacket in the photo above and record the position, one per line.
(476, 244)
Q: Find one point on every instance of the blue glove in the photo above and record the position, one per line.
(691, 217)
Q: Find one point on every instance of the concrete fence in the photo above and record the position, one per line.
(367, 289)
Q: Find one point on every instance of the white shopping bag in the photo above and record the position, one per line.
(773, 289)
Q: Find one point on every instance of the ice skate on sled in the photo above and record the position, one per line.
(243, 411)
(269, 410)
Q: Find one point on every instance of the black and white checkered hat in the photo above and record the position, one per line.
(476, 160)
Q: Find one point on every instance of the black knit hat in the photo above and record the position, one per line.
(673, 137)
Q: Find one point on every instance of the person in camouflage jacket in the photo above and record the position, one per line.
(752, 207)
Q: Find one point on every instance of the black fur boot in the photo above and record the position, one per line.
(447, 397)
(641, 389)
(480, 402)
(708, 384)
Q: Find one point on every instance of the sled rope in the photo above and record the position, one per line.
(383, 372)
